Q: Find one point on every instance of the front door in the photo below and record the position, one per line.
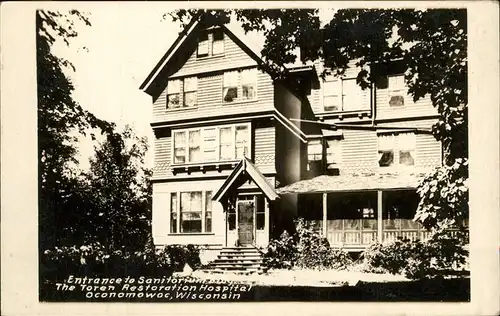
(245, 222)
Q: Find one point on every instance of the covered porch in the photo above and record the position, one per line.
(355, 210)
(247, 199)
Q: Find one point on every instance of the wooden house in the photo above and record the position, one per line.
(239, 156)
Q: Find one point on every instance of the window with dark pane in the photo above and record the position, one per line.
(396, 91)
(173, 213)
(203, 45)
(208, 212)
(260, 213)
(218, 42)
(386, 150)
(173, 94)
(231, 218)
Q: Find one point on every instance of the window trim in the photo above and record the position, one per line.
(340, 81)
(203, 33)
(181, 93)
(239, 99)
(403, 90)
(396, 149)
(179, 214)
(338, 140)
(210, 38)
(202, 145)
(223, 42)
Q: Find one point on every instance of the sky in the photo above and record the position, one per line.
(122, 48)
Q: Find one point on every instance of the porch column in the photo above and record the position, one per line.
(380, 208)
(325, 209)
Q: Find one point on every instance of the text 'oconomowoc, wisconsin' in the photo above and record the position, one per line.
(147, 289)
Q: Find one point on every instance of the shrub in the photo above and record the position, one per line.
(94, 260)
(416, 259)
(180, 255)
(281, 253)
(314, 251)
(305, 249)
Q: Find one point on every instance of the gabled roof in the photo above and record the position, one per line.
(245, 167)
(193, 25)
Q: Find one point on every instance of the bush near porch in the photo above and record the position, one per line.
(439, 256)
(305, 249)
(442, 255)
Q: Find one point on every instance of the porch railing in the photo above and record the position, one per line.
(363, 232)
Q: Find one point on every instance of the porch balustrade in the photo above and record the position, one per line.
(359, 232)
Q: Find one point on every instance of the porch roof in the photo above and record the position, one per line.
(246, 167)
(355, 182)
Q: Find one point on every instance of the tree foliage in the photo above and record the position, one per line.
(119, 191)
(111, 201)
(431, 44)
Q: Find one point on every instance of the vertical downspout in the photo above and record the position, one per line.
(373, 99)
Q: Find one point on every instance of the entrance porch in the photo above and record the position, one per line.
(246, 197)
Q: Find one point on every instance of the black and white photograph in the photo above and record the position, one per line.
(277, 154)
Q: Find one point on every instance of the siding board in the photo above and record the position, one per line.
(410, 109)
(265, 143)
(360, 148)
(234, 57)
(210, 103)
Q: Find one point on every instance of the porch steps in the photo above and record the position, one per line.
(238, 260)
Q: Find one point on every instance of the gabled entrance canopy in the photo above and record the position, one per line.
(244, 171)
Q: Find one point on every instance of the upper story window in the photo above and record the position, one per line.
(174, 94)
(218, 42)
(203, 45)
(344, 94)
(328, 151)
(239, 85)
(333, 152)
(211, 43)
(182, 88)
(190, 88)
(396, 90)
(396, 149)
(211, 144)
(315, 150)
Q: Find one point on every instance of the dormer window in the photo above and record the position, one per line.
(396, 90)
(211, 43)
(218, 42)
(203, 45)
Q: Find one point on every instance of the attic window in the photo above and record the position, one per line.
(203, 45)
(218, 42)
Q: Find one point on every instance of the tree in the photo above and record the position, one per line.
(432, 44)
(120, 192)
(58, 117)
